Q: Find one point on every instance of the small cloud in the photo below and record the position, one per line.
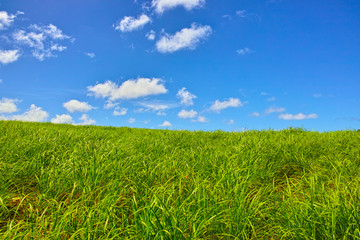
(271, 99)
(1, 81)
(244, 51)
(230, 122)
(150, 35)
(186, 97)
(8, 105)
(131, 120)
(299, 116)
(187, 114)
(255, 114)
(76, 106)
(9, 56)
(274, 110)
(241, 13)
(232, 102)
(120, 111)
(187, 38)
(165, 124)
(163, 5)
(264, 94)
(86, 120)
(159, 108)
(200, 119)
(90, 54)
(62, 119)
(129, 24)
(110, 104)
(130, 89)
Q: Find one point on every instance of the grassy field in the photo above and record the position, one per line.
(87, 182)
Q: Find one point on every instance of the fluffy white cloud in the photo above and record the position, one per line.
(76, 106)
(299, 116)
(120, 111)
(274, 110)
(34, 114)
(150, 35)
(86, 120)
(128, 24)
(232, 102)
(130, 89)
(42, 40)
(7, 19)
(8, 105)
(163, 5)
(9, 56)
(165, 124)
(244, 51)
(186, 97)
(64, 118)
(187, 114)
(187, 38)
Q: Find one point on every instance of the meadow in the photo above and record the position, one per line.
(90, 182)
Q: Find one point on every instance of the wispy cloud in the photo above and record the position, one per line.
(129, 24)
(163, 5)
(200, 119)
(244, 51)
(186, 97)
(7, 19)
(131, 120)
(299, 116)
(218, 106)
(230, 122)
(90, 54)
(86, 120)
(120, 111)
(130, 89)
(254, 114)
(187, 38)
(274, 110)
(151, 35)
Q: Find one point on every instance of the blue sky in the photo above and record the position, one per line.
(182, 64)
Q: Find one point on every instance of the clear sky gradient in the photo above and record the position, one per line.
(182, 64)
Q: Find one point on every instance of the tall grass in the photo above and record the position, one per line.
(72, 182)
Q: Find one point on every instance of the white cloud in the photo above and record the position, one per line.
(200, 119)
(317, 95)
(271, 99)
(8, 105)
(7, 19)
(130, 89)
(299, 116)
(244, 51)
(76, 106)
(165, 124)
(62, 119)
(9, 56)
(186, 97)
(255, 114)
(90, 54)
(187, 38)
(187, 114)
(163, 5)
(232, 102)
(131, 120)
(274, 110)
(34, 114)
(42, 40)
(120, 111)
(159, 108)
(230, 122)
(86, 120)
(128, 24)
(110, 104)
(150, 35)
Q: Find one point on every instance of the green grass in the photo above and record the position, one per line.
(87, 182)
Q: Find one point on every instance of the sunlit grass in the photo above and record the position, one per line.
(87, 182)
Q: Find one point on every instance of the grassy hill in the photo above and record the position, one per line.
(87, 182)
